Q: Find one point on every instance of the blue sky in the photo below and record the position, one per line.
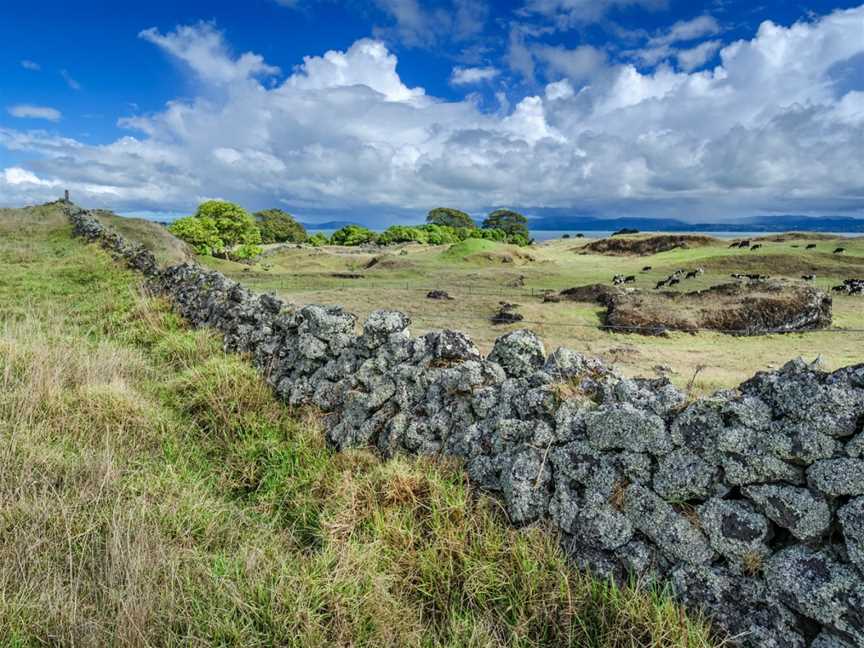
(712, 110)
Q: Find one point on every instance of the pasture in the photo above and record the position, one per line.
(478, 275)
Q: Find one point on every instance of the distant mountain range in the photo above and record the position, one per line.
(755, 224)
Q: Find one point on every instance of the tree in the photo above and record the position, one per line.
(450, 218)
(352, 235)
(511, 222)
(200, 233)
(217, 228)
(277, 226)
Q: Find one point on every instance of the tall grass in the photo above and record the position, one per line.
(154, 493)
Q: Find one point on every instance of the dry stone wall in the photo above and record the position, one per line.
(750, 503)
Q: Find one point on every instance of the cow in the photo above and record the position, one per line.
(744, 244)
(674, 281)
(756, 247)
(809, 277)
(617, 280)
(810, 246)
(734, 244)
(691, 275)
(660, 284)
(647, 269)
(630, 279)
(839, 250)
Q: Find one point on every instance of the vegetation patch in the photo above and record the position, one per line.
(645, 245)
(740, 308)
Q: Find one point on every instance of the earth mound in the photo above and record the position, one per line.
(739, 309)
(163, 244)
(592, 293)
(646, 245)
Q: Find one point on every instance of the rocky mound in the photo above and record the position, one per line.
(591, 293)
(754, 308)
(750, 504)
(646, 245)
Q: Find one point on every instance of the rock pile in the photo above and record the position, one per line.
(750, 502)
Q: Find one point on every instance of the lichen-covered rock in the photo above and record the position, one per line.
(828, 592)
(601, 456)
(838, 476)
(737, 532)
(673, 533)
(746, 459)
(851, 518)
(525, 479)
(806, 514)
(519, 353)
(741, 606)
(624, 427)
(683, 475)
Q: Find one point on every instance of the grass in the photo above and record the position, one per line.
(153, 493)
(475, 275)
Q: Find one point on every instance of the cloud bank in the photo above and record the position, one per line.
(776, 127)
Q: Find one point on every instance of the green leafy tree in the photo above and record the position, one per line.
(277, 226)
(511, 222)
(217, 228)
(200, 233)
(450, 218)
(317, 240)
(353, 235)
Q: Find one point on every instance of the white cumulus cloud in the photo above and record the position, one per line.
(27, 111)
(771, 128)
(471, 75)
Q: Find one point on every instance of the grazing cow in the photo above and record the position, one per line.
(744, 244)
(630, 279)
(734, 244)
(840, 289)
(674, 281)
(647, 269)
(617, 280)
(795, 246)
(809, 277)
(839, 250)
(660, 284)
(691, 275)
(810, 246)
(756, 247)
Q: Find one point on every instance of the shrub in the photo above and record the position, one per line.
(353, 235)
(450, 218)
(217, 227)
(317, 240)
(277, 226)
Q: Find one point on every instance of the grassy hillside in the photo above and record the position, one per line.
(156, 238)
(155, 494)
(480, 274)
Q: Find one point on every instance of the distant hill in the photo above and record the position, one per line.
(754, 224)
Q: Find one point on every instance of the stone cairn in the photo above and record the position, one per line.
(749, 503)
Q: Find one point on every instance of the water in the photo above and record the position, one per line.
(549, 235)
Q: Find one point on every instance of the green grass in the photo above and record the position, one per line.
(156, 494)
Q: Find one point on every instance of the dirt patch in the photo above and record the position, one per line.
(515, 257)
(646, 245)
(590, 293)
(796, 236)
(738, 309)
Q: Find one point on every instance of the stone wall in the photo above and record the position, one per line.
(750, 503)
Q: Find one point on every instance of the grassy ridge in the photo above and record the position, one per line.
(155, 494)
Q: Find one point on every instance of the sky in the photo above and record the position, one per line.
(378, 111)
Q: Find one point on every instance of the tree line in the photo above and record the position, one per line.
(224, 229)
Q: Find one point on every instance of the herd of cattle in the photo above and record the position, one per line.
(849, 286)
(745, 244)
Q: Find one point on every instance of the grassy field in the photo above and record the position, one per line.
(153, 493)
(480, 274)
